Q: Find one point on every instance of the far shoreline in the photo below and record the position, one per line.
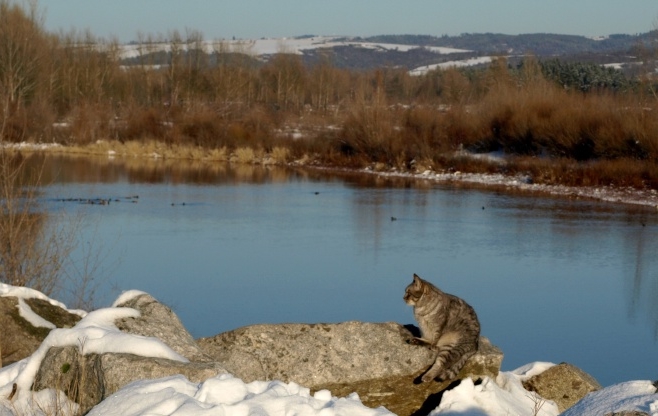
(507, 183)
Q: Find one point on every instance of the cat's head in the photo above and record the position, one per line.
(414, 291)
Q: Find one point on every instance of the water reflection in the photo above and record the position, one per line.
(642, 288)
(89, 169)
(552, 278)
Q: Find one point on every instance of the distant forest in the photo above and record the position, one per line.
(540, 44)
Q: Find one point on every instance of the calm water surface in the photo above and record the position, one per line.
(227, 246)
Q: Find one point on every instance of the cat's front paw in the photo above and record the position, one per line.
(415, 341)
(426, 378)
(419, 341)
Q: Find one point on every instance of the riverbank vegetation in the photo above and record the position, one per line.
(557, 123)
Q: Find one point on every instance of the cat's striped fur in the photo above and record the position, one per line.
(448, 325)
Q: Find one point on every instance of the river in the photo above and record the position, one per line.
(552, 279)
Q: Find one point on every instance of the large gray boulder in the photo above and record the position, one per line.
(372, 359)
(90, 378)
(564, 384)
(19, 338)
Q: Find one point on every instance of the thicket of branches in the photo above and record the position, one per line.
(72, 89)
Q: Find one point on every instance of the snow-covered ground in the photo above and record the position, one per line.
(648, 197)
(270, 46)
(227, 395)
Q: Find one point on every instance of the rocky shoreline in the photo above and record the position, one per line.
(91, 356)
(519, 183)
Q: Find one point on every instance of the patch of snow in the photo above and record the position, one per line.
(142, 67)
(28, 314)
(527, 371)
(29, 146)
(227, 395)
(42, 403)
(127, 296)
(422, 70)
(525, 183)
(638, 396)
(298, 45)
(401, 48)
(502, 397)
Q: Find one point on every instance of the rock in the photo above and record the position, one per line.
(564, 383)
(159, 321)
(19, 338)
(372, 359)
(89, 379)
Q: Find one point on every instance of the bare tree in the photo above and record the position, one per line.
(22, 51)
(285, 78)
(174, 75)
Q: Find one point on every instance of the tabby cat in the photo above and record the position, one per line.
(447, 324)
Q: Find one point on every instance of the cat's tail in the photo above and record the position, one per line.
(450, 359)
(451, 372)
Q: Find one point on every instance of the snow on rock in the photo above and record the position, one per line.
(565, 384)
(99, 335)
(95, 333)
(506, 396)
(127, 296)
(640, 396)
(27, 293)
(26, 318)
(28, 314)
(227, 395)
(527, 371)
(159, 321)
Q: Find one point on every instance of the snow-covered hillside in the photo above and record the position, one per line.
(270, 46)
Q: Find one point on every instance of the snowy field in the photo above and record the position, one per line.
(227, 395)
(297, 46)
(422, 70)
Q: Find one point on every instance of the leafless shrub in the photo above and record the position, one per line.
(32, 249)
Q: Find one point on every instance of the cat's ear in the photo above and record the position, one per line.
(417, 279)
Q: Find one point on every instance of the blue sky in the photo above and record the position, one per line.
(222, 19)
